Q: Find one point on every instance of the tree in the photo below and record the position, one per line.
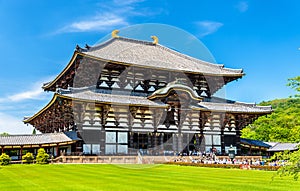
(295, 84)
(34, 131)
(4, 159)
(291, 165)
(42, 157)
(28, 158)
(282, 125)
(4, 134)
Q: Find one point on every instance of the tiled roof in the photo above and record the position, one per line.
(284, 146)
(254, 143)
(110, 98)
(47, 138)
(227, 106)
(234, 107)
(147, 54)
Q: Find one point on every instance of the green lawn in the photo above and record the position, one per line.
(136, 177)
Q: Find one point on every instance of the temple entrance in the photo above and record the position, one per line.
(140, 142)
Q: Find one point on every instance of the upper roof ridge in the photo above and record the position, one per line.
(150, 43)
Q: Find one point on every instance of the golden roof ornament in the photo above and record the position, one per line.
(155, 40)
(114, 34)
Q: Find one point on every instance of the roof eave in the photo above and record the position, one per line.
(29, 119)
(56, 95)
(47, 86)
(233, 74)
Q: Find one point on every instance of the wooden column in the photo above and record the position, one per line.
(57, 150)
(21, 152)
(52, 151)
(149, 141)
(102, 141)
(162, 141)
(202, 120)
(174, 143)
(238, 125)
(180, 144)
(2, 149)
(238, 141)
(226, 120)
(131, 142)
(155, 143)
(222, 141)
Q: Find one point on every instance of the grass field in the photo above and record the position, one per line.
(136, 177)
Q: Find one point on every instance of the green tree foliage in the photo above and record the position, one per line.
(28, 158)
(291, 163)
(295, 84)
(4, 159)
(4, 134)
(283, 125)
(42, 157)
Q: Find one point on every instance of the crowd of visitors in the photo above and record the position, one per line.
(211, 158)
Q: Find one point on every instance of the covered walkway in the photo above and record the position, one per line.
(54, 144)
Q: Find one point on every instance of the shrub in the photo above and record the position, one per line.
(28, 158)
(4, 159)
(42, 157)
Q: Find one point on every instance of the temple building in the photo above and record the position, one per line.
(125, 96)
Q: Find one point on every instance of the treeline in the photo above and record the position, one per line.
(283, 125)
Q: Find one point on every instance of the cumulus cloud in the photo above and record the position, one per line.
(13, 125)
(208, 27)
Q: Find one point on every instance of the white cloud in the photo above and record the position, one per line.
(13, 125)
(97, 23)
(208, 27)
(114, 14)
(242, 6)
(35, 93)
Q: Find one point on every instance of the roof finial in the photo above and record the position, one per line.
(114, 34)
(155, 39)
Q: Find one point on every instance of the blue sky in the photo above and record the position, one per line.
(38, 38)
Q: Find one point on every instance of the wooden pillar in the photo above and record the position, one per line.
(102, 141)
(2, 149)
(238, 141)
(21, 152)
(52, 151)
(57, 150)
(238, 125)
(156, 143)
(149, 141)
(102, 131)
(162, 141)
(131, 142)
(222, 141)
(174, 142)
(180, 144)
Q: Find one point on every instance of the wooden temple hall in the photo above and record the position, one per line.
(125, 96)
